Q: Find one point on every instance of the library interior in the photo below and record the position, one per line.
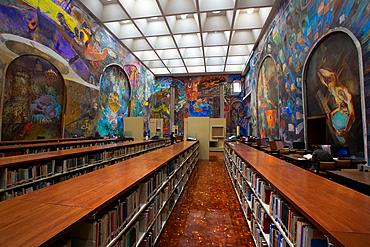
(184, 123)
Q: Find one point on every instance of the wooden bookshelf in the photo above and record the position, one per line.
(340, 213)
(44, 216)
(39, 147)
(20, 142)
(86, 156)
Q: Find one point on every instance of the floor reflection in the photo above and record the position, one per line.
(208, 213)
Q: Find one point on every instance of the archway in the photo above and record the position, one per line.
(333, 90)
(33, 99)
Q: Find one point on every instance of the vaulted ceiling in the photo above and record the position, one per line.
(185, 37)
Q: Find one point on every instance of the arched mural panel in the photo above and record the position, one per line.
(333, 89)
(33, 99)
(115, 96)
(267, 98)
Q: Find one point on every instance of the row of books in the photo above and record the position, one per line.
(271, 212)
(22, 179)
(154, 205)
(22, 175)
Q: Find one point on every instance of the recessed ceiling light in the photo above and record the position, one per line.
(154, 18)
(184, 16)
(216, 12)
(126, 21)
(250, 11)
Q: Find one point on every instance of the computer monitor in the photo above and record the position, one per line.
(299, 145)
(340, 151)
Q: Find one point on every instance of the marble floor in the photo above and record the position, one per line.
(208, 212)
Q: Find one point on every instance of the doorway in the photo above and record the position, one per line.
(317, 131)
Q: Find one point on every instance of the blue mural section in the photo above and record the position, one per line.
(115, 93)
(290, 38)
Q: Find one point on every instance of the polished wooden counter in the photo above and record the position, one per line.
(41, 217)
(339, 212)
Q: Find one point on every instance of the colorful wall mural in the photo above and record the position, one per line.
(267, 92)
(33, 99)
(81, 113)
(159, 102)
(115, 94)
(333, 89)
(293, 33)
(197, 96)
(81, 50)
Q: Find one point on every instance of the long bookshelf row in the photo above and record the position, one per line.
(126, 204)
(56, 145)
(157, 205)
(282, 213)
(23, 174)
(261, 207)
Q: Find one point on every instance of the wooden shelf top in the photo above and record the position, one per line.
(37, 157)
(98, 188)
(46, 140)
(331, 207)
(43, 216)
(36, 224)
(55, 144)
(23, 142)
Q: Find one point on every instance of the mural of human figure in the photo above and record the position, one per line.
(343, 115)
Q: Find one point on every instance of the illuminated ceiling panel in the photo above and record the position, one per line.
(185, 37)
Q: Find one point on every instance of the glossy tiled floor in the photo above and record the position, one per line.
(208, 212)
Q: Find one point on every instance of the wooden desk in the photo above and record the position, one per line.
(44, 216)
(269, 151)
(353, 178)
(340, 213)
(297, 159)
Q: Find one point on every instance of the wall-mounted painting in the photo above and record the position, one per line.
(33, 100)
(267, 98)
(115, 95)
(333, 89)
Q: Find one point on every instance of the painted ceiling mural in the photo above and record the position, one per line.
(297, 27)
(60, 31)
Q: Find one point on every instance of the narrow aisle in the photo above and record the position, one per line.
(208, 212)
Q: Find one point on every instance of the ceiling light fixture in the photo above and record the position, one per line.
(250, 11)
(126, 21)
(216, 12)
(184, 16)
(154, 18)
